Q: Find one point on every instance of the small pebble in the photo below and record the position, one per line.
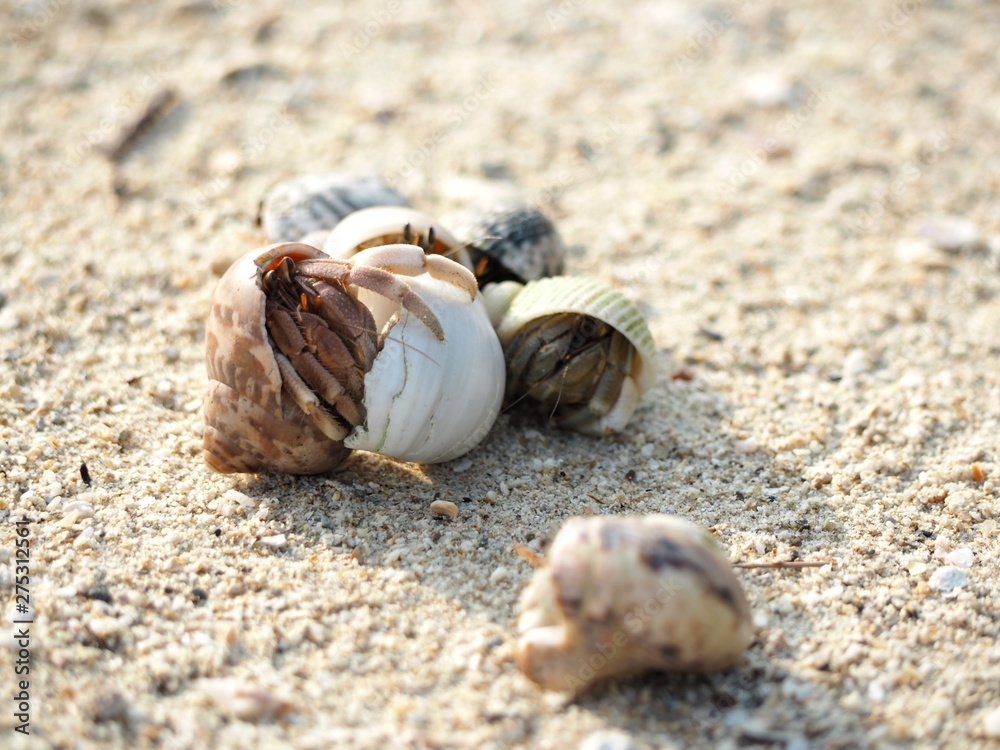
(876, 692)
(276, 542)
(747, 446)
(164, 390)
(104, 628)
(608, 740)
(920, 252)
(947, 578)
(444, 508)
(912, 379)
(951, 233)
(462, 464)
(86, 510)
(856, 362)
(239, 498)
(86, 538)
(768, 90)
(960, 558)
(991, 724)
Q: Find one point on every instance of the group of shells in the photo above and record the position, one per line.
(368, 325)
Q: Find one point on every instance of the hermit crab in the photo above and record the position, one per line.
(309, 356)
(577, 347)
(623, 595)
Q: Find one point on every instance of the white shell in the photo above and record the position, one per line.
(624, 595)
(427, 400)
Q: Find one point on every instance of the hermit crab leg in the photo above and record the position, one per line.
(381, 281)
(439, 267)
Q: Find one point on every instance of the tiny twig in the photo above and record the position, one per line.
(536, 560)
(162, 101)
(785, 564)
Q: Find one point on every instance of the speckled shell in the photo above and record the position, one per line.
(249, 427)
(384, 225)
(624, 595)
(522, 241)
(513, 305)
(314, 203)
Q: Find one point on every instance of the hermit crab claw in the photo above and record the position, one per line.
(578, 348)
(310, 356)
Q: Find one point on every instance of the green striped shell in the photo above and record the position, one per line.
(546, 325)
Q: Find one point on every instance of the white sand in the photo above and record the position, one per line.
(759, 171)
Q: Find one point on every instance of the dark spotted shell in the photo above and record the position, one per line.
(624, 595)
(311, 203)
(514, 243)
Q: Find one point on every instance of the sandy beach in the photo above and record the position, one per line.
(802, 198)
